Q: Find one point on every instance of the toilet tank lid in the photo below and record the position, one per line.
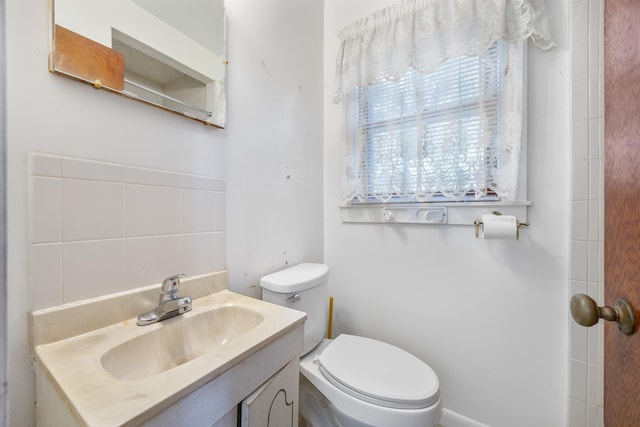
(297, 278)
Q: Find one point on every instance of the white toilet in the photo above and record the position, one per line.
(351, 381)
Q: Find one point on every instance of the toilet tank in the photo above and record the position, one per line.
(302, 287)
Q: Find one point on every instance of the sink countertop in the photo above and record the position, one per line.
(72, 363)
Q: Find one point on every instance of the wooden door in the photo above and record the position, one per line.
(622, 207)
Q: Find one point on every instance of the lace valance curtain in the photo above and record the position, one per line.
(425, 33)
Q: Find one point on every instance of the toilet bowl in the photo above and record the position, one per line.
(389, 388)
(352, 381)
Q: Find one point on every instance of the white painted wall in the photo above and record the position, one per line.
(489, 316)
(274, 154)
(3, 227)
(274, 131)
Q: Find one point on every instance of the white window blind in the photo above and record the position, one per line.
(434, 135)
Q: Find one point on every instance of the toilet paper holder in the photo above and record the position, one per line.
(478, 223)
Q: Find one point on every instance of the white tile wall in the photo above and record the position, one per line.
(46, 206)
(46, 274)
(586, 359)
(151, 210)
(98, 228)
(91, 210)
(148, 257)
(92, 268)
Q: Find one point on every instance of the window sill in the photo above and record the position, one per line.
(446, 213)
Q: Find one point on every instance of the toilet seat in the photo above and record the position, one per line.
(378, 373)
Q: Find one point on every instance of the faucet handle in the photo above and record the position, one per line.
(171, 284)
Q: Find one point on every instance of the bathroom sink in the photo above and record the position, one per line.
(100, 368)
(178, 341)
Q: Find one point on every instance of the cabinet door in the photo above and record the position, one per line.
(275, 403)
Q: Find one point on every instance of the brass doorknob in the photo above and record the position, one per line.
(586, 312)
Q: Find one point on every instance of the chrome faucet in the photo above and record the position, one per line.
(170, 304)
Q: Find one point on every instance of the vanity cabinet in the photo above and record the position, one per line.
(275, 403)
(250, 384)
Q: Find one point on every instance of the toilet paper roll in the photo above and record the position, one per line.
(499, 227)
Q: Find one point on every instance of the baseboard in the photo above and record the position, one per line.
(452, 419)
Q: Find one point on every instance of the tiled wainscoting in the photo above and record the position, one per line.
(98, 228)
(586, 359)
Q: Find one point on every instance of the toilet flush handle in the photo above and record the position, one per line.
(293, 298)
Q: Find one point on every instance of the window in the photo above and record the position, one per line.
(445, 135)
(433, 95)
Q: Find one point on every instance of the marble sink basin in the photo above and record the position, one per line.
(178, 341)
